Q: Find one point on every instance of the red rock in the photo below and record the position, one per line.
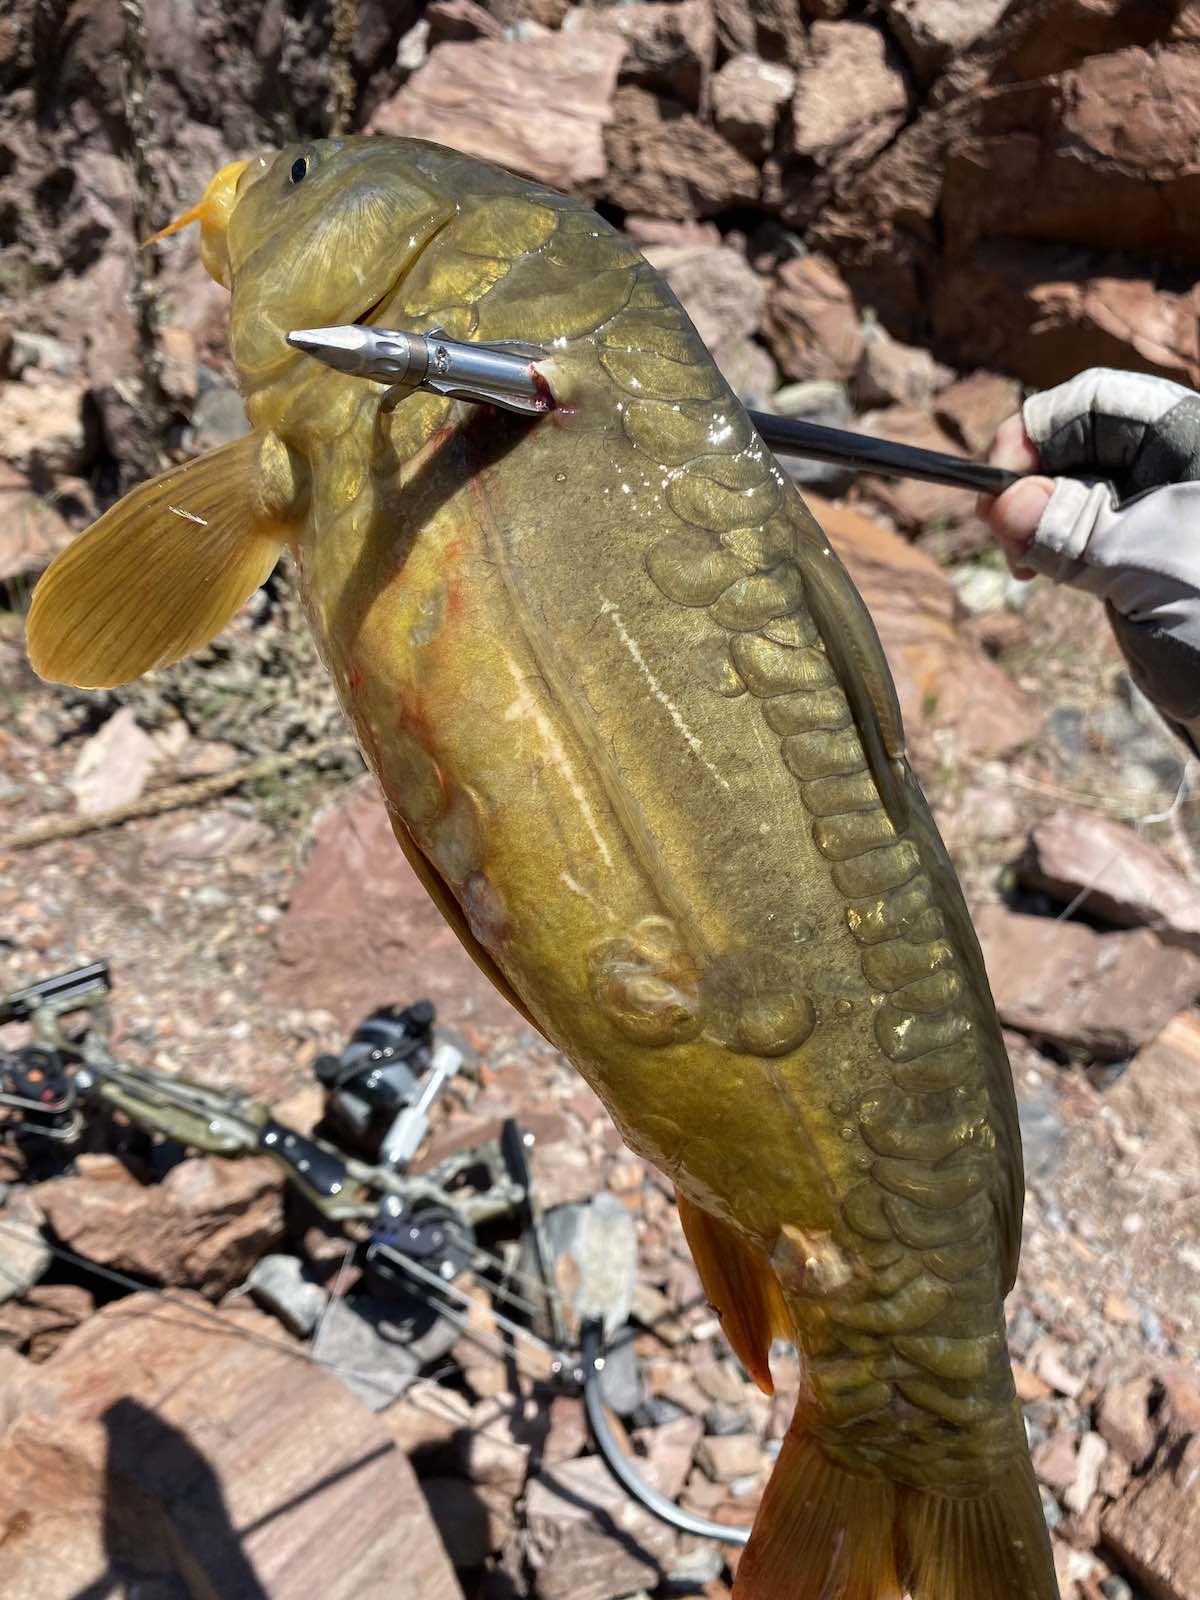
(589, 1540)
(204, 1226)
(931, 32)
(772, 29)
(1128, 881)
(549, 13)
(1181, 1400)
(730, 1456)
(891, 373)
(168, 1438)
(1154, 1528)
(565, 1172)
(748, 95)
(360, 929)
(1157, 1102)
(718, 289)
(666, 162)
(1103, 994)
(1056, 34)
(722, 1382)
(850, 94)
(567, 1431)
(812, 324)
(669, 44)
(460, 20)
(944, 682)
(880, 226)
(39, 1322)
(660, 230)
(1044, 312)
(426, 1417)
(31, 531)
(1102, 155)
(1123, 1419)
(471, 1519)
(851, 99)
(668, 1451)
(1054, 1460)
(974, 407)
(488, 98)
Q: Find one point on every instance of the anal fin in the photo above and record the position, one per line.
(741, 1286)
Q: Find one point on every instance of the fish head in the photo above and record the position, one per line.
(315, 234)
(401, 233)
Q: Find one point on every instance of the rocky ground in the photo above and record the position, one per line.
(896, 217)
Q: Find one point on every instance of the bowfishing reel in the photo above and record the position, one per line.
(377, 1076)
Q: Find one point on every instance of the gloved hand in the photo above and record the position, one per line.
(1141, 557)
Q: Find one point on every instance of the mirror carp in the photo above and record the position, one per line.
(639, 740)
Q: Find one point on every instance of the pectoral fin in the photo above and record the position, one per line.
(741, 1286)
(165, 569)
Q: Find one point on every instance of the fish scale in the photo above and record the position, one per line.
(929, 1020)
(639, 741)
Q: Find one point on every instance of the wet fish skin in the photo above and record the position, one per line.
(639, 739)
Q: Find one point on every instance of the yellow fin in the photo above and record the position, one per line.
(858, 658)
(992, 1546)
(742, 1287)
(823, 1533)
(158, 575)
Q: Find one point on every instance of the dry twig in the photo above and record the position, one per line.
(171, 798)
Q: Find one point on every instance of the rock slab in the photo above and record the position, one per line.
(361, 930)
(489, 98)
(203, 1226)
(1127, 881)
(943, 680)
(173, 1450)
(1099, 994)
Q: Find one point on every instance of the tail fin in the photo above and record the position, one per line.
(823, 1533)
(987, 1547)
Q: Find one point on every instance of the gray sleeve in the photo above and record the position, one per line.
(1141, 558)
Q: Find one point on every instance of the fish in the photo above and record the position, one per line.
(638, 738)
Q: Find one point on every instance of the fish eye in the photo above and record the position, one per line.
(299, 169)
